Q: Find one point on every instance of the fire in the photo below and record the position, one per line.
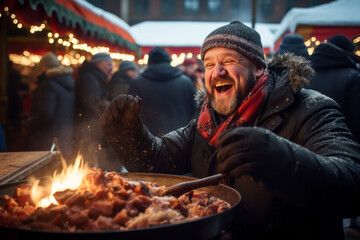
(69, 178)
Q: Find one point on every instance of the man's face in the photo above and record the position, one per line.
(106, 67)
(229, 77)
(132, 73)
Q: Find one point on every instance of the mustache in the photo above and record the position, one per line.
(224, 78)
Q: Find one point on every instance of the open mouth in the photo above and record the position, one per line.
(222, 87)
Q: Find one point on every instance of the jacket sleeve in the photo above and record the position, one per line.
(327, 174)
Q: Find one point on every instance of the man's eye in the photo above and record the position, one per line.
(209, 65)
(229, 61)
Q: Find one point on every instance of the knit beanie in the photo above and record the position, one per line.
(293, 43)
(49, 60)
(342, 42)
(158, 55)
(99, 57)
(127, 65)
(239, 37)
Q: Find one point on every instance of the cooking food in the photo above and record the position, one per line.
(104, 201)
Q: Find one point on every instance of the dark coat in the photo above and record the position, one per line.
(168, 98)
(52, 111)
(91, 92)
(119, 84)
(313, 199)
(338, 77)
(91, 98)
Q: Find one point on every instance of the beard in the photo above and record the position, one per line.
(228, 108)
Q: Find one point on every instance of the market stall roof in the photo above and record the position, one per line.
(340, 17)
(82, 18)
(187, 34)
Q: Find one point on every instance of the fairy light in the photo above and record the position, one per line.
(28, 59)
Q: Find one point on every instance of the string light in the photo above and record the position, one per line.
(28, 59)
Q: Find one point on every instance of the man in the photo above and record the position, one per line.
(287, 150)
(338, 76)
(121, 80)
(52, 107)
(293, 43)
(194, 71)
(91, 98)
(167, 94)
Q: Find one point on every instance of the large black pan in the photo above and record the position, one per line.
(204, 228)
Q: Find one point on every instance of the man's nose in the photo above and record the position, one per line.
(219, 71)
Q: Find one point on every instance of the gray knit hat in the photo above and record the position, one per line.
(239, 37)
(99, 57)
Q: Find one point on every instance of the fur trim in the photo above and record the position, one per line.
(51, 72)
(200, 96)
(300, 70)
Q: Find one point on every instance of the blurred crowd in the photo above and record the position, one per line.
(65, 102)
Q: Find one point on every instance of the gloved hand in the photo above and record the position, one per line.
(122, 115)
(256, 152)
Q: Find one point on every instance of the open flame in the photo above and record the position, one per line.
(69, 178)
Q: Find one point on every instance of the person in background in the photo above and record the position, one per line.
(120, 81)
(337, 75)
(293, 43)
(91, 98)
(286, 149)
(52, 106)
(199, 74)
(2, 139)
(14, 109)
(168, 95)
(188, 67)
(195, 71)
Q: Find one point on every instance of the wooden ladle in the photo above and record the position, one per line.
(181, 188)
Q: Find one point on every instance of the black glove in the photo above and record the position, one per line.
(256, 152)
(121, 118)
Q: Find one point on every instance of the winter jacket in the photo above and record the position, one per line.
(52, 111)
(338, 76)
(168, 98)
(91, 92)
(312, 200)
(119, 84)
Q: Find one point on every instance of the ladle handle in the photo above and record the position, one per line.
(181, 188)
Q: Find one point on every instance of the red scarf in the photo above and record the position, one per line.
(241, 117)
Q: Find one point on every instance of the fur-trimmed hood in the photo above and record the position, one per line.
(300, 71)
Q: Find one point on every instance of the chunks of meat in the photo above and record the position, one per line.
(104, 201)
